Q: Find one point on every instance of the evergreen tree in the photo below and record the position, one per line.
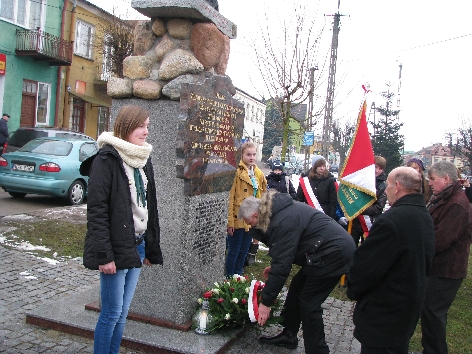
(387, 141)
(273, 128)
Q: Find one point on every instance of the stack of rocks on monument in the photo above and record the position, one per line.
(168, 53)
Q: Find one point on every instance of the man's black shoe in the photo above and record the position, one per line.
(285, 339)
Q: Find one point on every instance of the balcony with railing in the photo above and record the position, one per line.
(103, 73)
(43, 47)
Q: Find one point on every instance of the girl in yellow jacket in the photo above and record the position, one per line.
(249, 181)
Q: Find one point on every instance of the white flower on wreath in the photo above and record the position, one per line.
(227, 316)
(235, 300)
(200, 301)
(217, 284)
(216, 291)
(247, 290)
(236, 277)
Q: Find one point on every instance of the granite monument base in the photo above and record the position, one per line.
(70, 316)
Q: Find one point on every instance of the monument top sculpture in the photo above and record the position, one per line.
(189, 9)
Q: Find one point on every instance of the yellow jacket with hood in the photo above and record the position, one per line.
(241, 189)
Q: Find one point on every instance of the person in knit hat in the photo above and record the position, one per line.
(279, 180)
(322, 183)
(417, 164)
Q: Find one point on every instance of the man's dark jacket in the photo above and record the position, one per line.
(110, 226)
(291, 230)
(278, 182)
(388, 274)
(452, 217)
(3, 131)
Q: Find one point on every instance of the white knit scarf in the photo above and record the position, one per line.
(134, 155)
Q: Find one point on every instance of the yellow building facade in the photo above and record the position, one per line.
(84, 105)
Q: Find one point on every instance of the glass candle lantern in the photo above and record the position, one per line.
(203, 320)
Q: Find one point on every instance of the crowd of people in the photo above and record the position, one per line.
(402, 264)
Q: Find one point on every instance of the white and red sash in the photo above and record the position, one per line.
(366, 224)
(309, 194)
(253, 304)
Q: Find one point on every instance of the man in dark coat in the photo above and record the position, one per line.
(297, 233)
(3, 131)
(388, 272)
(279, 180)
(452, 218)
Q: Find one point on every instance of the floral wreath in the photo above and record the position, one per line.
(233, 302)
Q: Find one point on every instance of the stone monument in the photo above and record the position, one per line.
(178, 75)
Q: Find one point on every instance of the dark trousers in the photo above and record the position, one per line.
(357, 233)
(375, 350)
(303, 305)
(440, 293)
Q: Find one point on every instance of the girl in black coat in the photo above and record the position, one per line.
(322, 185)
(122, 221)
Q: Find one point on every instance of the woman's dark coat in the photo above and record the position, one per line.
(110, 226)
(325, 192)
(388, 274)
(291, 230)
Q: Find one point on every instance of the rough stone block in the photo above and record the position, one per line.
(208, 45)
(158, 27)
(179, 28)
(119, 88)
(143, 37)
(147, 89)
(165, 45)
(179, 62)
(137, 67)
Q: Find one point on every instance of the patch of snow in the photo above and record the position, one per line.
(49, 260)
(18, 217)
(26, 246)
(31, 277)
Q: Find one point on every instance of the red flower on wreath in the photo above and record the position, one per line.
(220, 300)
(231, 289)
(244, 301)
(207, 295)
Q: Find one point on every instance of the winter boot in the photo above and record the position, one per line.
(251, 256)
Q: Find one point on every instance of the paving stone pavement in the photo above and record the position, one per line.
(27, 282)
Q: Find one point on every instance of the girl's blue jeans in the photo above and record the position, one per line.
(238, 248)
(116, 293)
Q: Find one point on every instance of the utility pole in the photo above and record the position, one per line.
(331, 83)
(309, 126)
(400, 66)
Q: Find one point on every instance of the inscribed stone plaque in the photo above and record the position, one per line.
(209, 137)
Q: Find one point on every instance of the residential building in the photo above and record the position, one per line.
(31, 49)
(254, 120)
(84, 103)
(435, 153)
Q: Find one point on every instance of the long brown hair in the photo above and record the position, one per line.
(312, 173)
(128, 119)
